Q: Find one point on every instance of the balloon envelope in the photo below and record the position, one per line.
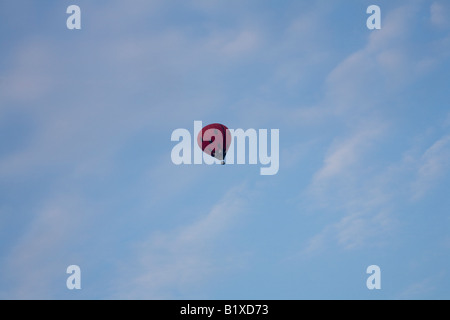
(214, 139)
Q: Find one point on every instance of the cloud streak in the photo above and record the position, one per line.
(170, 265)
(432, 165)
(41, 253)
(359, 194)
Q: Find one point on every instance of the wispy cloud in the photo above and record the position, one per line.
(34, 262)
(366, 205)
(432, 166)
(171, 264)
(360, 194)
(29, 76)
(344, 155)
(245, 42)
(353, 231)
(439, 11)
(422, 288)
(358, 198)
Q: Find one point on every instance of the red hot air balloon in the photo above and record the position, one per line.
(215, 139)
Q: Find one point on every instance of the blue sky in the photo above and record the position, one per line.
(86, 176)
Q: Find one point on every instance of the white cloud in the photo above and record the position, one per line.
(365, 204)
(360, 201)
(30, 75)
(342, 157)
(85, 127)
(37, 260)
(360, 195)
(440, 11)
(354, 230)
(422, 288)
(432, 166)
(177, 261)
(245, 42)
(361, 83)
(396, 27)
(358, 230)
(385, 64)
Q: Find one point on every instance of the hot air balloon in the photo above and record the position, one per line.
(215, 139)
